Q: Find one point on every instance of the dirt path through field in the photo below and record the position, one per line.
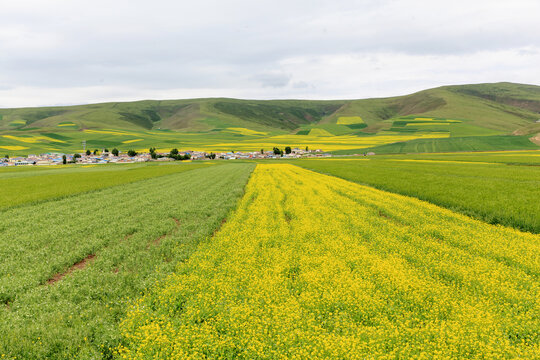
(77, 266)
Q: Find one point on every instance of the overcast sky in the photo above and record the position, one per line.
(71, 52)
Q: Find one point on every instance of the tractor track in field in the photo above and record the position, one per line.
(157, 240)
(77, 266)
(88, 259)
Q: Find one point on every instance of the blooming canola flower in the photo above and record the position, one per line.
(310, 266)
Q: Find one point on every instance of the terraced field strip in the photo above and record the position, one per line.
(68, 266)
(527, 158)
(30, 185)
(315, 267)
(495, 193)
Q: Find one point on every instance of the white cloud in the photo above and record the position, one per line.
(72, 51)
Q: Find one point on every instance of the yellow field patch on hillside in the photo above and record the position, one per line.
(446, 161)
(131, 141)
(14, 148)
(110, 132)
(502, 152)
(32, 139)
(245, 131)
(325, 143)
(516, 154)
(319, 132)
(72, 124)
(18, 122)
(423, 119)
(334, 159)
(311, 266)
(349, 120)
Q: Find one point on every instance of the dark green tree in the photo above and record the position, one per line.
(64, 159)
(115, 152)
(277, 151)
(75, 157)
(174, 153)
(95, 151)
(288, 150)
(88, 152)
(131, 153)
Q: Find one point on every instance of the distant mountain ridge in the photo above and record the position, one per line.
(500, 106)
(488, 109)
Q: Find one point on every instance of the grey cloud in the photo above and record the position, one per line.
(238, 44)
(275, 80)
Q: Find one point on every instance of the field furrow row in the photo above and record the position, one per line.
(311, 266)
(68, 266)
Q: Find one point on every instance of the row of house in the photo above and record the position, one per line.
(106, 157)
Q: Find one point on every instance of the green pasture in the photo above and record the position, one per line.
(22, 185)
(452, 144)
(497, 193)
(520, 157)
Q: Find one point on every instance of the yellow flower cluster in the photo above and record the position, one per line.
(314, 267)
(32, 139)
(244, 131)
(322, 139)
(349, 120)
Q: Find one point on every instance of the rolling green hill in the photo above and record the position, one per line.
(432, 116)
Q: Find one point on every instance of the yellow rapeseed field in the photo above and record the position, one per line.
(349, 120)
(245, 131)
(314, 267)
(319, 132)
(110, 132)
(14, 147)
(446, 161)
(131, 141)
(32, 139)
(326, 143)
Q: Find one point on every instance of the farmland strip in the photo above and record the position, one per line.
(37, 185)
(493, 193)
(77, 266)
(77, 317)
(308, 268)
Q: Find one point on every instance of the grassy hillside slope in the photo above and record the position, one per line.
(455, 111)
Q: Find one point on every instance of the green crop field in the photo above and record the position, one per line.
(38, 184)
(127, 237)
(469, 143)
(496, 192)
(520, 157)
